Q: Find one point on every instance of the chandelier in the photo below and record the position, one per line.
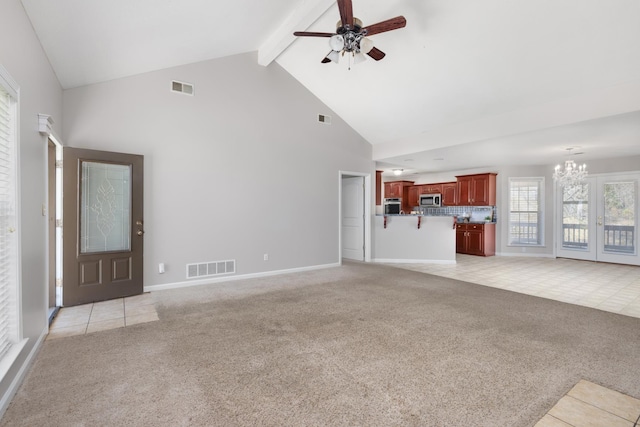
(571, 175)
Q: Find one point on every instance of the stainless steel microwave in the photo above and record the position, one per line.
(430, 200)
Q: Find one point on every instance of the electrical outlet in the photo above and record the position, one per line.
(266, 257)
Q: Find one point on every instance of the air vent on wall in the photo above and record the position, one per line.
(324, 119)
(211, 268)
(186, 88)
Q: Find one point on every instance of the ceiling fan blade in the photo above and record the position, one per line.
(325, 60)
(346, 12)
(376, 54)
(312, 34)
(388, 25)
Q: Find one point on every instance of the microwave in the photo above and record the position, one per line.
(430, 200)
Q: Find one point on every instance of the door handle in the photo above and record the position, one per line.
(599, 220)
(140, 232)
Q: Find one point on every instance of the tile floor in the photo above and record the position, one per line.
(591, 405)
(101, 316)
(608, 287)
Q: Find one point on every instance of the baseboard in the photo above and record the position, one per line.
(415, 261)
(209, 281)
(17, 380)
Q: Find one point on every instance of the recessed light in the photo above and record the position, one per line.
(439, 159)
(408, 160)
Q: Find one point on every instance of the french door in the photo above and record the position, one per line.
(598, 219)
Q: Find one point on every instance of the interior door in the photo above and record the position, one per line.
(598, 219)
(353, 218)
(102, 224)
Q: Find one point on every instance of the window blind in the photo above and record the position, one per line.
(8, 243)
(525, 211)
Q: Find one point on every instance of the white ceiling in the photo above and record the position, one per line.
(517, 80)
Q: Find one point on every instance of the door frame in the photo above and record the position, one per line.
(367, 212)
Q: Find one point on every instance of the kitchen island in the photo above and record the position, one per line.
(414, 239)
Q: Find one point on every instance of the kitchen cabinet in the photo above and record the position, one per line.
(476, 190)
(413, 197)
(449, 191)
(431, 188)
(395, 189)
(378, 188)
(476, 239)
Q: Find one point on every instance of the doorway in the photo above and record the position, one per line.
(103, 225)
(355, 211)
(598, 219)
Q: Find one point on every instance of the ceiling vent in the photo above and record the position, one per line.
(324, 119)
(186, 88)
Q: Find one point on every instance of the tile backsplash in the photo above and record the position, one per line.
(474, 213)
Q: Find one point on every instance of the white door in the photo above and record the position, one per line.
(353, 218)
(598, 219)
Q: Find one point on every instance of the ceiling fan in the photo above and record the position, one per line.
(351, 37)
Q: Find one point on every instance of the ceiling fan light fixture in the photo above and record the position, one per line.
(366, 45)
(336, 42)
(397, 172)
(358, 57)
(334, 56)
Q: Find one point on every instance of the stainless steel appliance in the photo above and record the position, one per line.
(430, 200)
(392, 206)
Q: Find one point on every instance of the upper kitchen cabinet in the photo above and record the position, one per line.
(476, 190)
(413, 196)
(449, 191)
(395, 189)
(431, 188)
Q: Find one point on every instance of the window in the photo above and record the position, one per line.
(526, 197)
(9, 290)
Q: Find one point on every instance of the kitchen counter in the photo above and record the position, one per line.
(414, 239)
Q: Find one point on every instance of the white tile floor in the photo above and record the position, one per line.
(101, 316)
(608, 287)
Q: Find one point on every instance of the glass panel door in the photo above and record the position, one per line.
(617, 220)
(598, 219)
(577, 232)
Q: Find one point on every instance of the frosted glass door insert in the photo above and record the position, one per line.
(105, 207)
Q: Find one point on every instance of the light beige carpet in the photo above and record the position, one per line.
(359, 345)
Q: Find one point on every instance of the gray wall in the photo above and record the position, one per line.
(40, 92)
(241, 169)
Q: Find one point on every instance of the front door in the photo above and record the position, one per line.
(102, 224)
(598, 219)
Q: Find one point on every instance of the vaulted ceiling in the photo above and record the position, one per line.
(515, 81)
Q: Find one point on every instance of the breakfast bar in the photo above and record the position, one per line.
(414, 239)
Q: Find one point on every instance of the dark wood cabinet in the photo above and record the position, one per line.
(431, 188)
(413, 196)
(449, 191)
(476, 190)
(378, 188)
(395, 189)
(476, 239)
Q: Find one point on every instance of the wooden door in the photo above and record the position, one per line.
(475, 242)
(102, 223)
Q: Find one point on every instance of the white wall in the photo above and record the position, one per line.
(40, 92)
(241, 169)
